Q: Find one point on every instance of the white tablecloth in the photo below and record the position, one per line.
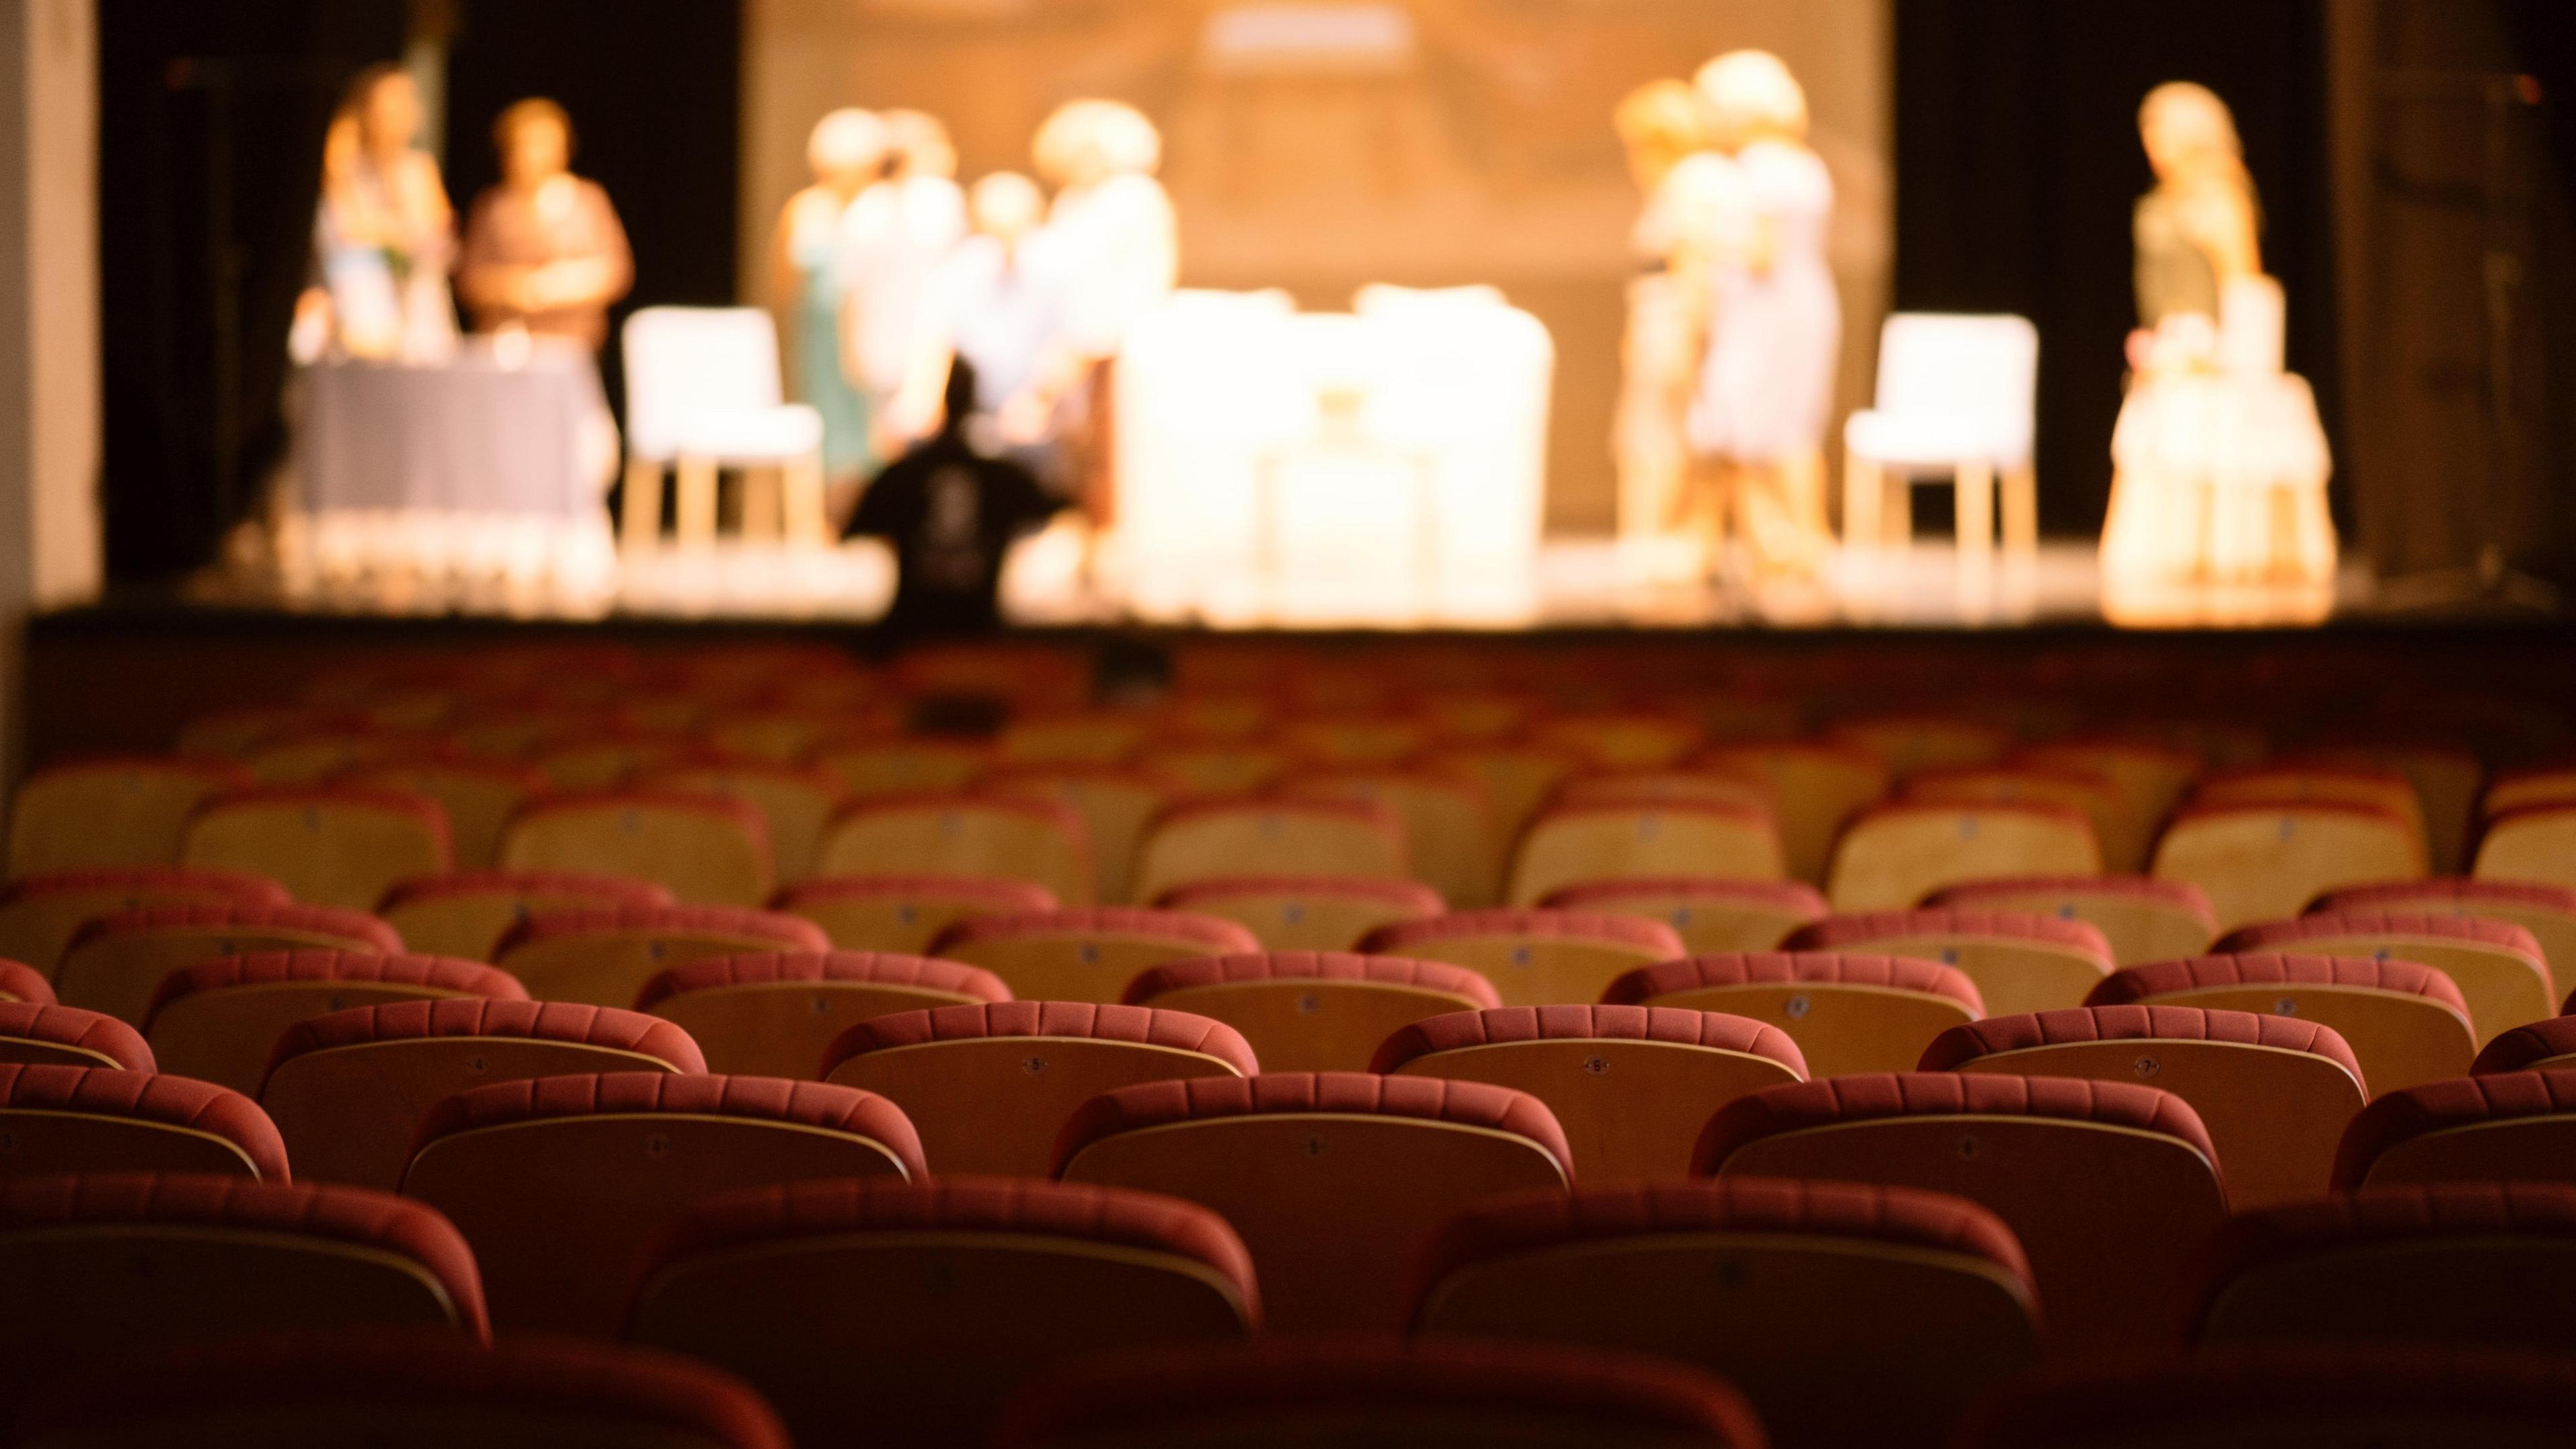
(468, 436)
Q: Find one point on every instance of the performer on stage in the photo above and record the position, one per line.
(544, 249)
(847, 150)
(2220, 461)
(1765, 394)
(1116, 235)
(892, 237)
(385, 235)
(951, 514)
(1664, 127)
(998, 305)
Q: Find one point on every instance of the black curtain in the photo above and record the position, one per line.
(2017, 162)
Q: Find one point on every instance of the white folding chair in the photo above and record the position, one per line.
(1956, 396)
(703, 393)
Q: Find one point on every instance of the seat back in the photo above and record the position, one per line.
(1312, 1011)
(2019, 961)
(1699, 784)
(2538, 1046)
(118, 811)
(1448, 827)
(465, 914)
(1979, 372)
(1209, 839)
(2548, 912)
(1215, 767)
(2143, 919)
(39, 915)
(2503, 977)
(560, 1183)
(918, 1307)
(1630, 1085)
(2406, 1024)
(2530, 843)
(686, 362)
(2085, 792)
(218, 1021)
(2274, 1092)
(1847, 1013)
(874, 767)
(605, 957)
(1818, 785)
(1711, 914)
(795, 803)
(2149, 779)
(57, 1118)
(1893, 856)
(1333, 1179)
(34, 1033)
(1569, 845)
(773, 1014)
(988, 1086)
(1909, 744)
(1534, 958)
(1618, 740)
(1085, 955)
(1306, 913)
(2292, 784)
(116, 963)
(1518, 778)
(2110, 1187)
(479, 797)
(1007, 837)
(333, 847)
(1071, 739)
(704, 850)
(2494, 1127)
(1352, 739)
(2266, 862)
(904, 913)
(1115, 804)
(1923, 1296)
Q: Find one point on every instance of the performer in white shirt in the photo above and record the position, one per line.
(847, 151)
(999, 305)
(1664, 126)
(891, 239)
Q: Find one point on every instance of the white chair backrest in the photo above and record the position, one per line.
(1963, 368)
(685, 361)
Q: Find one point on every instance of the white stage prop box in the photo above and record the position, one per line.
(1379, 466)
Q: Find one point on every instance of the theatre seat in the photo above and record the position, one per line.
(1312, 1011)
(108, 1265)
(704, 850)
(772, 1013)
(2110, 1187)
(1086, 954)
(1005, 837)
(2444, 773)
(2451, 1263)
(1618, 740)
(2019, 961)
(1795, 1292)
(1424, 1393)
(1567, 845)
(1818, 785)
(478, 796)
(1306, 912)
(1115, 803)
(903, 914)
(2274, 1092)
(2532, 843)
(115, 963)
(795, 802)
(1333, 1179)
(1847, 1013)
(417, 1389)
(2548, 912)
(2284, 782)
(575, 759)
(876, 1311)
(2266, 862)
(2405, 1023)
(1518, 777)
(40, 915)
(1197, 840)
(2085, 792)
(1892, 856)
(2498, 966)
(218, 1021)
(106, 1119)
(1711, 914)
(988, 1086)
(1353, 740)
(605, 957)
(2494, 1127)
(560, 1183)
(117, 810)
(2149, 779)
(1630, 1085)
(1533, 957)
(2541, 1046)
(876, 767)
(1449, 833)
(348, 1089)
(1098, 739)
(330, 846)
(42, 1034)
(22, 982)
(465, 914)
(1215, 766)
(1912, 743)
(2144, 919)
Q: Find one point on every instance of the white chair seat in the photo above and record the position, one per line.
(749, 436)
(1917, 442)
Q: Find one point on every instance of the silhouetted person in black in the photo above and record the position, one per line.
(950, 513)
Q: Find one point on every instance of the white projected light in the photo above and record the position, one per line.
(1305, 39)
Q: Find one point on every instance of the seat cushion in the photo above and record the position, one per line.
(279, 968)
(760, 1099)
(2402, 1116)
(2526, 1047)
(1460, 1030)
(21, 982)
(1143, 1026)
(69, 1036)
(765, 968)
(1835, 1100)
(150, 1098)
(1199, 1099)
(560, 1021)
(1995, 1035)
(2137, 984)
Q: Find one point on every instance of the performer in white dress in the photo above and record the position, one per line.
(2220, 464)
(1663, 125)
(847, 151)
(385, 232)
(892, 238)
(998, 305)
(1765, 394)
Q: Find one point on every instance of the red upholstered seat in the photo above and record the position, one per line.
(1307, 1011)
(2499, 967)
(904, 912)
(706, 849)
(348, 1089)
(1207, 839)
(967, 833)
(1416, 1391)
(1630, 1085)
(2547, 911)
(559, 1182)
(772, 1013)
(1847, 1013)
(104, 1119)
(2543, 1045)
(1710, 913)
(1534, 957)
(113, 1263)
(2110, 1187)
(38, 915)
(2020, 961)
(115, 963)
(1332, 1178)
(1306, 912)
(1893, 855)
(68, 1036)
(218, 1021)
(1577, 844)
(989, 1085)
(2144, 919)
(1089, 953)
(2263, 861)
(112, 810)
(2502, 1126)
(904, 1312)
(21, 982)
(605, 957)
(2450, 1262)
(2406, 1023)
(466, 913)
(406, 1390)
(333, 845)
(1924, 1297)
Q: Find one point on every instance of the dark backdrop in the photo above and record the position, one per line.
(2017, 162)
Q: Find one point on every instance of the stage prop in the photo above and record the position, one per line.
(1957, 399)
(703, 393)
(1381, 466)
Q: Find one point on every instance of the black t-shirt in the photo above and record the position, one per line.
(950, 513)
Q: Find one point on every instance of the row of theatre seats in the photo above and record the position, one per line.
(743, 1037)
